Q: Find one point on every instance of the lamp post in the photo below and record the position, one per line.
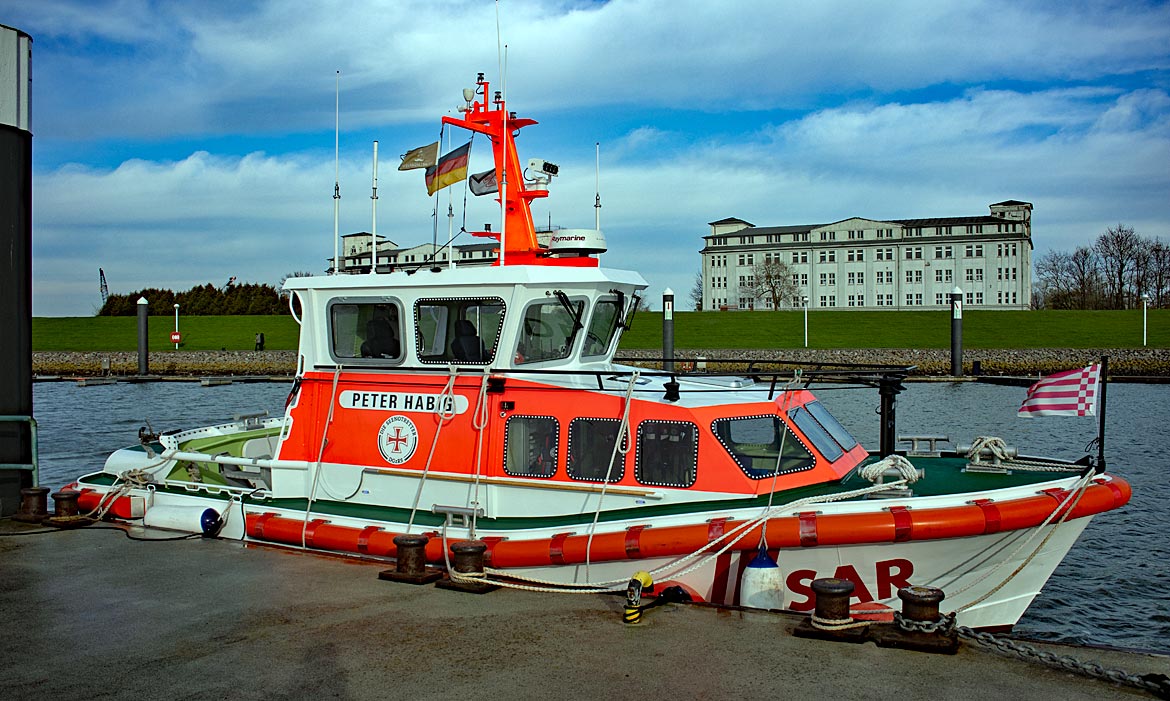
(1145, 302)
(176, 325)
(804, 301)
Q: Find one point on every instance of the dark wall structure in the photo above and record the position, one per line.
(15, 266)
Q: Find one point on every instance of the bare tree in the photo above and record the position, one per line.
(770, 280)
(1118, 248)
(1159, 273)
(697, 291)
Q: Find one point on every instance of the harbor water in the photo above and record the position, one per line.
(1110, 590)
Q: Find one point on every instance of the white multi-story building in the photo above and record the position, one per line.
(355, 253)
(860, 263)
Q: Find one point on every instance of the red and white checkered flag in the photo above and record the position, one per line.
(1071, 393)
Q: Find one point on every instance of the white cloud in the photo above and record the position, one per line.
(778, 113)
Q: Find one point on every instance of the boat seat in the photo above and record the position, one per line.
(381, 341)
(467, 345)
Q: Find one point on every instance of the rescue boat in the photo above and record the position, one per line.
(488, 404)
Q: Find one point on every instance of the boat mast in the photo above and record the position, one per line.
(597, 188)
(336, 169)
(374, 216)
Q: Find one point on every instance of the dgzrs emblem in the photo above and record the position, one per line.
(397, 439)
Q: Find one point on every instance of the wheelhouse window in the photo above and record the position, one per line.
(827, 434)
(530, 446)
(549, 329)
(602, 328)
(365, 331)
(591, 443)
(755, 443)
(667, 453)
(463, 330)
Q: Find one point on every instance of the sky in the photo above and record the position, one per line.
(181, 143)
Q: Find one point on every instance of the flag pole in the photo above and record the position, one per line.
(1101, 415)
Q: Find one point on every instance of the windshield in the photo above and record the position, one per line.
(548, 331)
(602, 328)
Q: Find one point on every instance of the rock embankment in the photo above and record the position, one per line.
(1140, 362)
(197, 363)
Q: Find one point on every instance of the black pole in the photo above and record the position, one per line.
(889, 386)
(1101, 415)
(668, 330)
(957, 333)
(16, 397)
(143, 336)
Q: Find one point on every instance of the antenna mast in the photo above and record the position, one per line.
(597, 190)
(374, 216)
(336, 169)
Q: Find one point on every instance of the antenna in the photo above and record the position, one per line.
(336, 169)
(374, 216)
(597, 190)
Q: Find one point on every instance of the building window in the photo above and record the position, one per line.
(974, 250)
(974, 274)
(941, 252)
(855, 255)
(800, 256)
(914, 253)
(914, 277)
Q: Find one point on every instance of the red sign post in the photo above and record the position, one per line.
(176, 337)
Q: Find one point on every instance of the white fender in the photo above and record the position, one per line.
(762, 584)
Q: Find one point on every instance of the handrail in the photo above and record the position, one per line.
(33, 438)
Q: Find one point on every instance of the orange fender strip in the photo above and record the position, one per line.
(896, 524)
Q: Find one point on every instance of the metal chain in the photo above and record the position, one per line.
(1156, 684)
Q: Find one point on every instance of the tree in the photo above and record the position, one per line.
(770, 280)
(1118, 248)
(697, 291)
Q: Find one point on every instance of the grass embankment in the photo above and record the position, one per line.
(705, 330)
(903, 329)
(120, 333)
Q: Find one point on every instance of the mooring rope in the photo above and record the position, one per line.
(623, 429)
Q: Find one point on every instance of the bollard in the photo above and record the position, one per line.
(66, 512)
(921, 603)
(34, 505)
(668, 330)
(919, 626)
(65, 503)
(830, 619)
(467, 559)
(411, 565)
(832, 600)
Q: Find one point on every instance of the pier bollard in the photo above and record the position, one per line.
(65, 503)
(919, 626)
(921, 603)
(66, 512)
(34, 505)
(467, 559)
(830, 619)
(411, 565)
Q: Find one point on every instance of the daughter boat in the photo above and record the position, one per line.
(486, 403)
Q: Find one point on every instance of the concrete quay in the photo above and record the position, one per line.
(90, 614)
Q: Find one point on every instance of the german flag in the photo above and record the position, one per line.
(452, 168)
